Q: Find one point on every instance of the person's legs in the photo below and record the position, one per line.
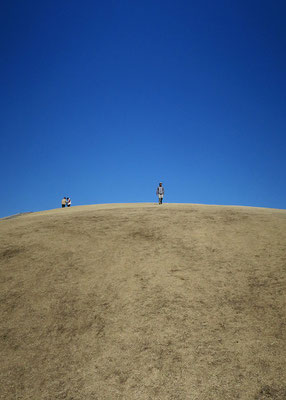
(63, 206)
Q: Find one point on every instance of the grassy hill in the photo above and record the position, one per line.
(143, 302)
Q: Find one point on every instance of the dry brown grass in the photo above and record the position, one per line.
(143, 302)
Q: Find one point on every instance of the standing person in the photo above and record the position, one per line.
(64, 202)
(160, 192)
(68, 202)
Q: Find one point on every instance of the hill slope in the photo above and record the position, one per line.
(143, 302)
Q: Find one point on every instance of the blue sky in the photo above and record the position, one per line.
(101, 100)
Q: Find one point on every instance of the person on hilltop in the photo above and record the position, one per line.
(160, 192)
(64, 202)
(68, 201)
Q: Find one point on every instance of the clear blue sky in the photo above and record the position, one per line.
(101, 100)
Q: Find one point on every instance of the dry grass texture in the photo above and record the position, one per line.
(143, 302)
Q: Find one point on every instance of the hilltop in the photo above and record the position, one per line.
(141, 301)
